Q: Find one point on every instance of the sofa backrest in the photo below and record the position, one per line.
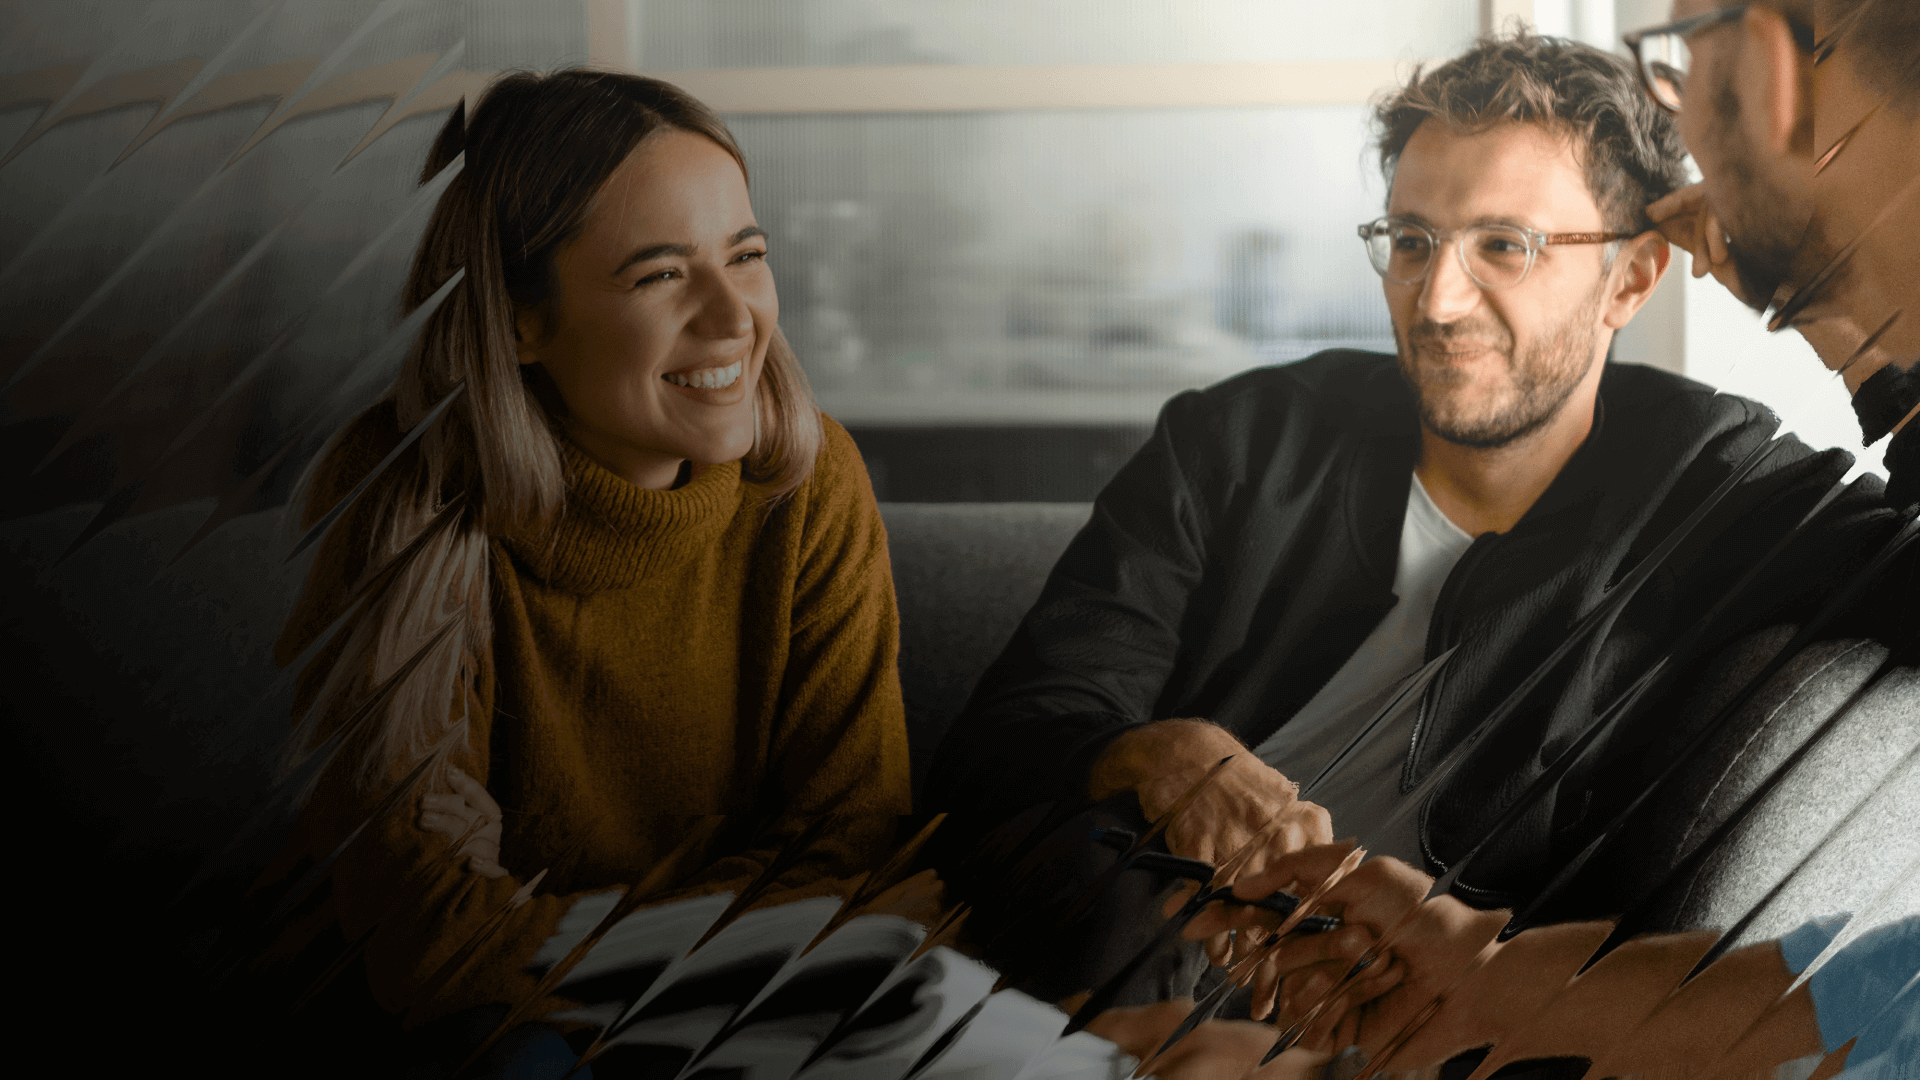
(1802, 804)
(964, 574)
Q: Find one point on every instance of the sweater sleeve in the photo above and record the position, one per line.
(1091, 658)
(402, 891)
(839, 741)
(392, 886)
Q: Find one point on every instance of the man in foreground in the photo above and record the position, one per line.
(1808, 141)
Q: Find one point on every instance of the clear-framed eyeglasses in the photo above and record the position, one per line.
(1494, 256)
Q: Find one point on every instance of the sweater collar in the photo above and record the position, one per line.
(613, 535)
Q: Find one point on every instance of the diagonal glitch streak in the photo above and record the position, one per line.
(1837, 605)
(789, 855)
(658, 877)
(321, 527)
(123, 502)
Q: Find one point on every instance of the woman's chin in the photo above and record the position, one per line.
(720, 451)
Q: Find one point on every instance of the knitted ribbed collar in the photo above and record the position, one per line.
(613, 535)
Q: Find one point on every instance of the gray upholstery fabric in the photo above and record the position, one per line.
(964, 574)
(1838, 831)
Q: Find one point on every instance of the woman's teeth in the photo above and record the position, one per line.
(708, 378)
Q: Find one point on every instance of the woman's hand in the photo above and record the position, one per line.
(472, 814)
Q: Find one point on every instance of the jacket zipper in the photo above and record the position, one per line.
(1450, 591)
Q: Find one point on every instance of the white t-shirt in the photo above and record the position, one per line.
(1365, 789)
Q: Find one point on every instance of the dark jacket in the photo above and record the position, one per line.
(1247, 550)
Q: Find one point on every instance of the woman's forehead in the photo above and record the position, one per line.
(678, 184)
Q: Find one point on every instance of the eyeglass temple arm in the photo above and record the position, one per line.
(1587, 237)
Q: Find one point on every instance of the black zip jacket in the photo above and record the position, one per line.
(1246, 551)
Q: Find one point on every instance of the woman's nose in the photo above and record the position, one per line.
(724, 312)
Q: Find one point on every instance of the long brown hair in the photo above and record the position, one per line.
(537, 151)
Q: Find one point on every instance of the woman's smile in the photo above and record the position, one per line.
(707, 378)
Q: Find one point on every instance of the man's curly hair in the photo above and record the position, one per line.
(1630, 150)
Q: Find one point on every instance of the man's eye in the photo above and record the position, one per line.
(1410, 243)
(658, 275)
(749, 256)
(1502, 245)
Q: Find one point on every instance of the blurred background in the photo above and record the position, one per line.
(1004, 233)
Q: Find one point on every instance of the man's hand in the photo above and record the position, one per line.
(1161, 762)
(1687, 220)
(1215, 1050)
(453, 816)
(1432, 943)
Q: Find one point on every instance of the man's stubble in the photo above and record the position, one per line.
(1539, 383)
(1763, 232)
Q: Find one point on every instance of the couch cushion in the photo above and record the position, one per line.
(965, 574)
(1804, 799)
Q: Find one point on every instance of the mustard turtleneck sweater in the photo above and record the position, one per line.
(661, 655)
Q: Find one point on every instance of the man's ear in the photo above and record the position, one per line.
(1637, 271)
(1775, 79)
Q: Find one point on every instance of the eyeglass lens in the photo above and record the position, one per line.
(1663, 67)
(1495, 256)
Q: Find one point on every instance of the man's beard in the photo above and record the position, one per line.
(1763, 233)
(1541, 381)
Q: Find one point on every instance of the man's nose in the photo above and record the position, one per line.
(723, 311)
(1447, 293)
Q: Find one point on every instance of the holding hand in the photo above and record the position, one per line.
(1687, 220)
(1429, 944)
(1249, 809)
(471, 813)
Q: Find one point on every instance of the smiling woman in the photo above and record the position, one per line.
(627, 577)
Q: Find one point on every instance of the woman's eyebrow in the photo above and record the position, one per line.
(685, 251)
(656, 251)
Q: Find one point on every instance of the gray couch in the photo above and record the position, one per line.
(964, 574)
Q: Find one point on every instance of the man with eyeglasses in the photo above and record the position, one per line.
(1292, 545)
(1809, 147)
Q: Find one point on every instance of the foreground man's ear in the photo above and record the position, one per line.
(1637, 270)
(1775, 85)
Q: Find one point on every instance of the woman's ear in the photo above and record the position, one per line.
(529, 331)
(540, 384)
